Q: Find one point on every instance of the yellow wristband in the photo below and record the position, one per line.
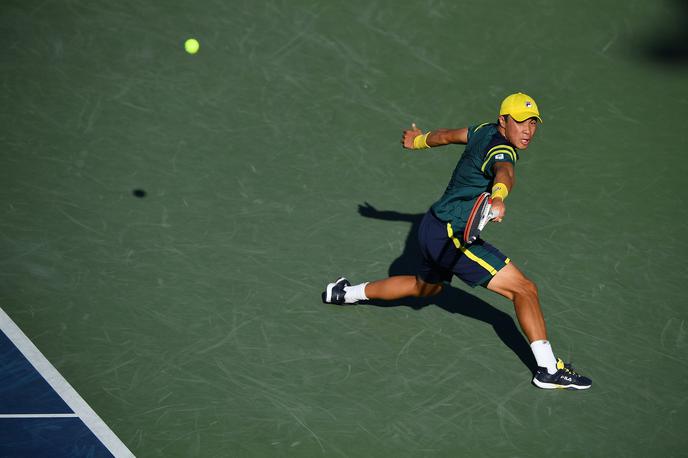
(499, 190)
(421, 141)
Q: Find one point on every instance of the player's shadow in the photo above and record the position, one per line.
(453, 300)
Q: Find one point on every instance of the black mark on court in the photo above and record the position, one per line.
(668, 43)
(140, 193)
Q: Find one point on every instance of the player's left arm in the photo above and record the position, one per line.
(440, 137)
(437, 137)
(503, 178)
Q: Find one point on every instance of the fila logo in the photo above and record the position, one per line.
(568, 379)
(499, 156)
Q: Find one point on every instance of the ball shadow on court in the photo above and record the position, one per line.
(452, 299)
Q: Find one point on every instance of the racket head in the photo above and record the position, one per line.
(473, 226)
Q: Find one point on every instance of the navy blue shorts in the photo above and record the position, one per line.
(445, 254)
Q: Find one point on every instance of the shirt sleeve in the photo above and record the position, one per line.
(474, 129)
(498, 153)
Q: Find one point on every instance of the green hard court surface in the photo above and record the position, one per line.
(190, 317)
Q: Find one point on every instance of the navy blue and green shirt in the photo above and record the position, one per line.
(474, 173)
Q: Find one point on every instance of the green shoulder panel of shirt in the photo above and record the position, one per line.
(473, 173)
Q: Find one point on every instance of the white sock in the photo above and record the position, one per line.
(353, 294)
(542, 351)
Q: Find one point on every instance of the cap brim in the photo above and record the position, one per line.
(520, 117)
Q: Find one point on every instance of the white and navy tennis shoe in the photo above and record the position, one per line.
(564, 378)
(334, 293)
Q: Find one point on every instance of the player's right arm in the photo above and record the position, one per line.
(438, 137)
(504, 174)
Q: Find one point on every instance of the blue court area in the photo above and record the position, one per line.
(40, 413)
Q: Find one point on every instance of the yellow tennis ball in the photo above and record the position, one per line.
(191, 46)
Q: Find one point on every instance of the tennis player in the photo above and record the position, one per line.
(487, 165)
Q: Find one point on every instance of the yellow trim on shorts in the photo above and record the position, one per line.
(479, 260)
(472, 256)
(497, 150)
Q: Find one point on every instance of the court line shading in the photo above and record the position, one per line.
(62, 388)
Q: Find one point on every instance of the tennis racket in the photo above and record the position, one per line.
(481, 213)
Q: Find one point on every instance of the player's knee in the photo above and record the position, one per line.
(519, 286)
(427, 289)
(435, 289)
(526, 287)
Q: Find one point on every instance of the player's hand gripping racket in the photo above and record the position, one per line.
(480, 215)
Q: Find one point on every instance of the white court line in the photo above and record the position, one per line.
(63, 388)
(39, 415)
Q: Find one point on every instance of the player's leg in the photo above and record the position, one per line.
(432, 237)
(388, 289)
(401, 286)
(483, 264)
(511, 283)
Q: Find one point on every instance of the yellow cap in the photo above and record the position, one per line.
(520, 107)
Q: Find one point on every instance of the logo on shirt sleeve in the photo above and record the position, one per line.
(499, 157)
